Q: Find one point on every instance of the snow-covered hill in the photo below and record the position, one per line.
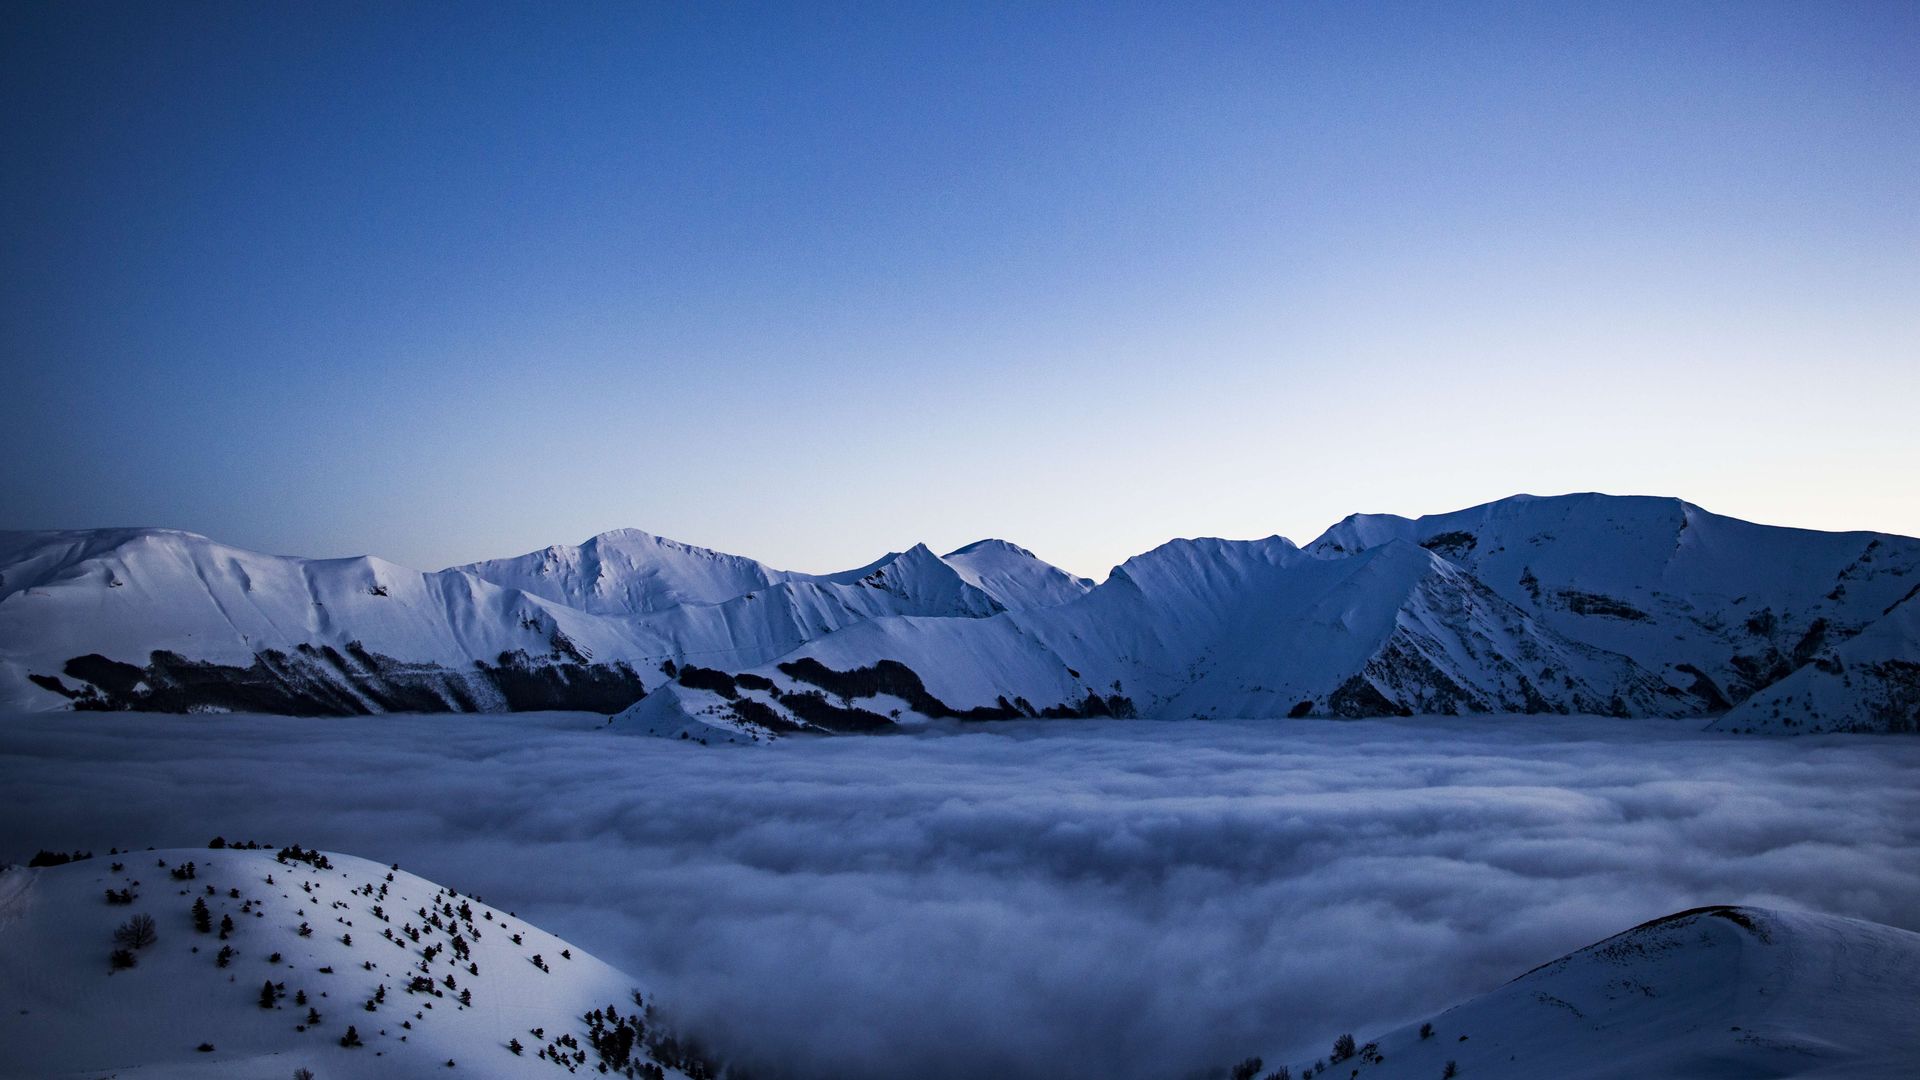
(298, 955)
(1719, 992)
(1581, 603)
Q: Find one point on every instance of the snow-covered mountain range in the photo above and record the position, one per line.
(258, 962)
(1580, 603)
(1718, 992)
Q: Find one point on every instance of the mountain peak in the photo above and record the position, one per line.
(1014, 577)
(1582, 602)
(990, 544)
(627, 571)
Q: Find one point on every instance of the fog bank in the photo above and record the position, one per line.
(1122, 899)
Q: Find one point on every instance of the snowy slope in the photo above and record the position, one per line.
(1701, 599)
(1200, 628)
(1581, 603)
(65, 1010)
(629, 572)
(1868, 682)
(168, 620)
(1724, 992)
(1015, 579)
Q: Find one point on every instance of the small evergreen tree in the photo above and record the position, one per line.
(1452, 1070)
(351, 1038)
(268, 995)
(123, 958)
(514, 1045)
(1342, 1048)
(202, 918)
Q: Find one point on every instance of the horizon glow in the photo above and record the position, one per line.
(817, 282)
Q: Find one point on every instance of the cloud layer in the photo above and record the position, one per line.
(1070, 899)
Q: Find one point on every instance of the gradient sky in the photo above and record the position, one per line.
(442, 282)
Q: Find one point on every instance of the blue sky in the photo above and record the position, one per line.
(444, 282)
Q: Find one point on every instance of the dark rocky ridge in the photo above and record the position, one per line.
(324, 681)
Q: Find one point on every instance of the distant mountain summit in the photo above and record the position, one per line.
(1627, 606)
(1013, 577)
(629, 572)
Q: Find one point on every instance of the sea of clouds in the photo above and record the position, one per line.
(1113, 899)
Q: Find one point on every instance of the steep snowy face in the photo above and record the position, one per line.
(757, 626)
(1013, 577)
(1393, 629)
(629, 572)
(1396, 629)
(1206, 628)
(257, 962)
(1713, 992)
(1720, 606)
(1869, 682)
(911, 582)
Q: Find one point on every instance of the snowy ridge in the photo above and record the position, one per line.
(1013, 577)
(291, 953)
(168, 620)
(1693, 596)
(629, 572)
(1207, 628)
(1628, 606)
(1709, 993)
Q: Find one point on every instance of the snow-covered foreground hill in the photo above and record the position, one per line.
(1716, 993)
(312, 960)
(1624, 606)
